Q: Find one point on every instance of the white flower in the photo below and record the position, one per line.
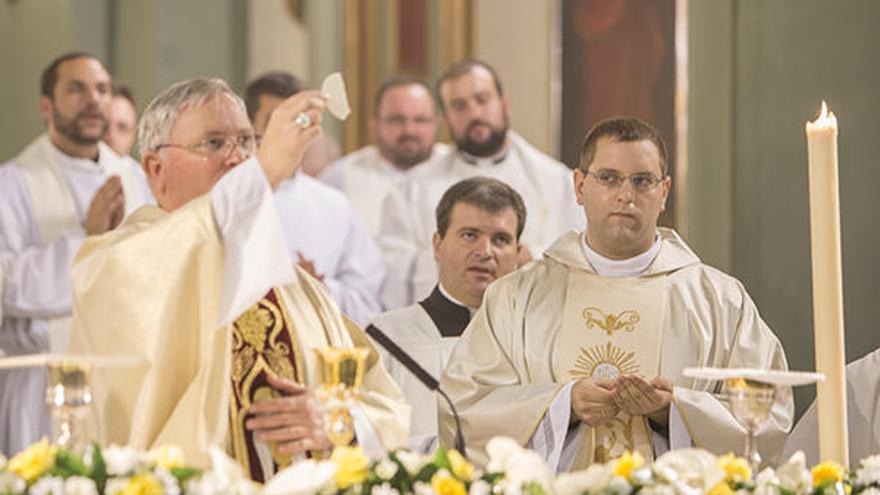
(10, 483)
(412, 461)
(480, 487)
(166, 456)
(793, 475)
(308, 477)
(518, 464)
(386, 469)
(121, 461)
(385, 489)
(170, 485)
(422, 488)
(594, 478)
(657, 489)
(869, 470)
(690, 471)
(767, 483)
(80, 485)
(620, 486)
(871, 491)
(115, 485)
(48, 485)
(224, 478)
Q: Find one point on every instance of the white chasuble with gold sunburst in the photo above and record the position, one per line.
(612, 327)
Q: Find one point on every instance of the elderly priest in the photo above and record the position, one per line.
(203, 291)
(580, 355)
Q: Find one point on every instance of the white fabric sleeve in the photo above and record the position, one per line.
(358, 281)
(36, 280)
(552, 433)
(411, 271)
(256, 254)
(334, 175)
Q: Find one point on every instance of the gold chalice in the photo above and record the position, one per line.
(340, 372)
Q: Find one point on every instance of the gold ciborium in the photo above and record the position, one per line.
(340, 372)
(69, 395)
(750, 403)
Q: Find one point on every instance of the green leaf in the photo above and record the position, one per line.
(99, 468)
(183, 473)
(68, 464)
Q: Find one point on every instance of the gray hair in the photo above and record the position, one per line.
(161, 114)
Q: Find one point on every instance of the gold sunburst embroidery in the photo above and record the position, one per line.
(605, 362)
(625, 320)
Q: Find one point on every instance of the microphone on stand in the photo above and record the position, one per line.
(427, 380)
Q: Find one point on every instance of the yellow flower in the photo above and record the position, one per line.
(166, 457)
(31, 463)
(443, 484)
(627, 463)
(721, 488)
(461, 468)
(142, 484)
(735, 468)
(827, 471)
(352, 466)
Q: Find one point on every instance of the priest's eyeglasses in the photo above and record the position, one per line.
(218, 147)
(641, 182)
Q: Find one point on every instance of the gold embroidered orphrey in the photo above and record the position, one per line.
(611, 327)
(263, 344)
(625, 320)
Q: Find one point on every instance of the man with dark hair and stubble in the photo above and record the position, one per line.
(404, 127)
(591, 341)
(479, 221)
(64, 186)
(477, 115)
(323, 232)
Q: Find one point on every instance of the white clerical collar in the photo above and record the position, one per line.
(631, 267)
(88, 164)
(454, 300)
(487, 160)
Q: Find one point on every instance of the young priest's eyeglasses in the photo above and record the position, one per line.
(218, 147)
(641, 182)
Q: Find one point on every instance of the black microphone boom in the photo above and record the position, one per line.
(427, 380)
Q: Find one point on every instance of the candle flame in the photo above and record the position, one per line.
(826, 118)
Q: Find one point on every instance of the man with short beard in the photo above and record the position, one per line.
(64, 186)
(476, 113)
(405, 127)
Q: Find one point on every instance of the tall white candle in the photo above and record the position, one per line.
(827, 286)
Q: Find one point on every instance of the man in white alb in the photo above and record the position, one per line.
(476, 113)
(64, 186)
(404, 126)
(479, 221)
(322, 231)
(120, 134)
(580, 354)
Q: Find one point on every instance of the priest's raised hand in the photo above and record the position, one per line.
(592, 401)
(637, 397)
(293, 127)
(106, 209)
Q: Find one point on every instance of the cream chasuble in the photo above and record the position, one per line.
(154, 289)
(536, 332)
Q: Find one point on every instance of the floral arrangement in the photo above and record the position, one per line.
(43, 469)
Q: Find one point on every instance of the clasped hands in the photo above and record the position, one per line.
(596, 401)
(295, 421)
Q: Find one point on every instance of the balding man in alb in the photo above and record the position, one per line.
(580, 354)
(202, 291)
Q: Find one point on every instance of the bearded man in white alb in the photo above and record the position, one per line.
(477, 115)
(580, 354)
(64, 186)
(202, 292)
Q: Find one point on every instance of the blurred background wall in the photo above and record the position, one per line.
(746, 76)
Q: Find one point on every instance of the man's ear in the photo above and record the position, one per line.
(45, 105)
(435, 242)
(578, 177)
(155, 172)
